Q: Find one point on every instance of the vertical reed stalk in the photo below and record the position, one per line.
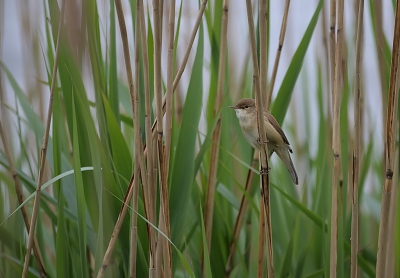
(243, 205)
(157, 16)
(256, 85)
(43, 150)
(263, 21)
(357, 142)
(391, 261)
(391, 139)
(170, 72)
(135, 110)
(261, 95)
(149, 191)
(148, 151)
(160, 247)
(278, 53)
(134, 217)
(117, 227)
(337, 90)
(137, 139)
(250, 174)
(18, 190)
(264, 176)
(261, 241)
(212, 176)
(332, 42)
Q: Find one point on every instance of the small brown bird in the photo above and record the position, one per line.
(276, 139)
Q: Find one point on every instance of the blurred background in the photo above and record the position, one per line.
(91, 39)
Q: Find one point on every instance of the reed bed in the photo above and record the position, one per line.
(140, 168)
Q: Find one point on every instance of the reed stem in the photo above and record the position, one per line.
(357, 143)
(337, 95)
(212, 178)
(43, 150)
(278, 53)
(390, 142)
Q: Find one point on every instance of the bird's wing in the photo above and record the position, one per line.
(275, 124)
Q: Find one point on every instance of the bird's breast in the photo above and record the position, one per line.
(250, 132)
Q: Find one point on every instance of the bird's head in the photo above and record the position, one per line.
(245, 108)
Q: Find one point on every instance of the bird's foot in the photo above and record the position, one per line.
(259, 141)
(264, 172)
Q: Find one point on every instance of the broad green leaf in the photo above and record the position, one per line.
(183, 169)
(122, 159)
(80, 199)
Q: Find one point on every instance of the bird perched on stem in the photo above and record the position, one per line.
(276, 139)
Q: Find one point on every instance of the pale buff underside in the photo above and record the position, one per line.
(250, 132)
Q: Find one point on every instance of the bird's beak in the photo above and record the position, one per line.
(233, 106)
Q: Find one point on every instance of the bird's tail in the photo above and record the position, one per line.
(287, 160)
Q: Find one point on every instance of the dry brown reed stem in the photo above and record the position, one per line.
(337, 88)
(134, 217)
(278, 53)
(332, 42)
(117, 227)
(175, 84)
(391, 261)
(391, 139)
(243, 205)
(260, 96)
(43, 150)
(160, 249)
(263, 21)
(149, 146)
(212, 176)
(157, 16)
(170, 73)
(149, 191)
(157, 69)
(161, 17)
(357, 142)
(18, 190)
(261, 241)
(239, 220)
(137, 146)
(256, 85)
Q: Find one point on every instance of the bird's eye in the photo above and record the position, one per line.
(246, 106)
